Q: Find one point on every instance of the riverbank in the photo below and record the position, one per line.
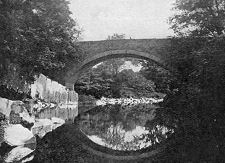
(49, 106)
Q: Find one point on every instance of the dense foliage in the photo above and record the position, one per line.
(160, 76)
(199, 17)
(195, 109)
(35, 37)
(110, 79)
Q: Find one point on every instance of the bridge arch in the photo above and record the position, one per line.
(73, 75)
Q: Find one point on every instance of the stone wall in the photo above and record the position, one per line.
(51, 91)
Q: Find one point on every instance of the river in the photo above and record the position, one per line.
(124, 124)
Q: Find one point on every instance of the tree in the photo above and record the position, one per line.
(161, 77)
(109, 79)
(98, 80)
(194, 109)
(36, 37)
(141, 87)
(199, 17)
(95, 83)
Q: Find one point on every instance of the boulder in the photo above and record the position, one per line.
(17, 107)
(16, 135)
(14, 118)
(42, 127)
(17, 154)
(26, 117)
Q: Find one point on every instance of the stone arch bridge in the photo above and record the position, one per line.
(98, 51)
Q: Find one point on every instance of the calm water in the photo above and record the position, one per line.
(118, 127)
(122, 127)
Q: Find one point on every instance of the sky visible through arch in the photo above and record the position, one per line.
(137, 19)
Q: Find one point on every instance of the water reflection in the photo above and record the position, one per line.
(125, 95)
(122, 127)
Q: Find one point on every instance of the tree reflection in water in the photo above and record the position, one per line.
(122, 127)
(127, 93)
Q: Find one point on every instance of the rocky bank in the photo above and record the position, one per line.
(21, 122)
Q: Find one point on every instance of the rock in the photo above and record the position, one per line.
(42, 127)
(5, 106)
(35, 114)
(14, 118)
(38, 89)
(30, 142)
(51, 91)
(72, 97)
(27, 159)
(4, 149)
(17, 154)
(2, 130)
(64, 98)
(57, 122)
(26, 117)
(17, 107)
(2, 117)
(21, 118)
(16, 135)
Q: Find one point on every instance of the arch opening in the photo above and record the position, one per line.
(73, 75)
(89, 117)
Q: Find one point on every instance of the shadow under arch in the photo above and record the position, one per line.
(73, 75)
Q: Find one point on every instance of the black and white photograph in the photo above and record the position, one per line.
(112, 81)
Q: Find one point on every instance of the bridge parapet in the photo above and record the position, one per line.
(142, 45)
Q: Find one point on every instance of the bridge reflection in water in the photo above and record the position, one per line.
(122, 124)
(109, 133)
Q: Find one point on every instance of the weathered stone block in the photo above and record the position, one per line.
(17, 135)
(57, 97)
(64, 97)
(5, 106)
(73, 96)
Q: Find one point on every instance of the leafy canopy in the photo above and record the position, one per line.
(199, 17)
(195, 109)
(36, 36)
